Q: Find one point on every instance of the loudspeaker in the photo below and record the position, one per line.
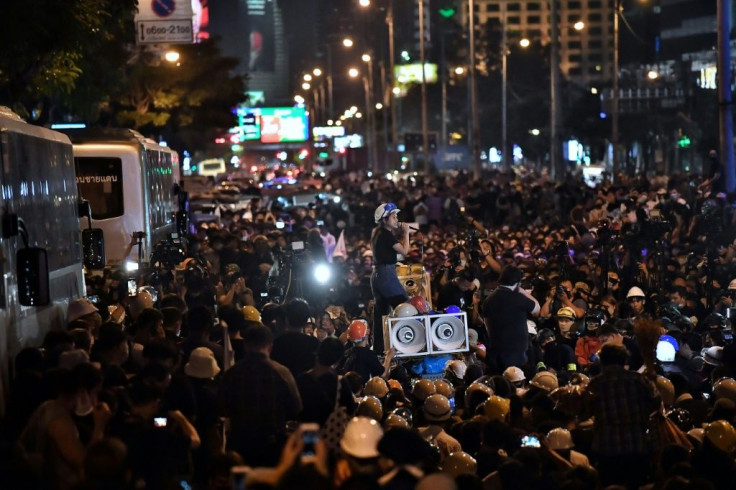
(427, 334)
(415, 283)
(408, 336)
(448, 333)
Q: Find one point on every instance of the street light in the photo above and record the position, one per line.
(307, 77)
(347, 42)
(306, 86)
(364, 3)
(317, 72)
(299, 99)
(524, 43)
(355, 73)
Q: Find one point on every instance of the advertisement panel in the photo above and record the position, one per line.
(273, 124)
(406, 75)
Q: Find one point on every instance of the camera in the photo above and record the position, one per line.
(561, 291)
(160, 421)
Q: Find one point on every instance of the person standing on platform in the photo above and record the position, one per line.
(387, 290)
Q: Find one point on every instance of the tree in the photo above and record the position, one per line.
(46, 44)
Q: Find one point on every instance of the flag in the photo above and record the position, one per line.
(228, 357)
(339, 250)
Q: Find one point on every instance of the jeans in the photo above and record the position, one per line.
(387, 294)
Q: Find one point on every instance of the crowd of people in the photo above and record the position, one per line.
(599, 354)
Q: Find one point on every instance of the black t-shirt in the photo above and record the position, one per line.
(296, 351)
(383, 247)
(505, 312)
(318, 396)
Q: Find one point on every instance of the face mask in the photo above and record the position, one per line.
(84, 404)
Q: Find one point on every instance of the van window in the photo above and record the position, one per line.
(100, 181)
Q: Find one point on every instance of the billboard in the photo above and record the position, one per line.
(273, 124)
(406, 75)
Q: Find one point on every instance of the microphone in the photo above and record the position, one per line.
(412, 228)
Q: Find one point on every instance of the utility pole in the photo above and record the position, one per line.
(504, 89)
(725, 98)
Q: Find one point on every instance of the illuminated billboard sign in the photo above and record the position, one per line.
(406, 75)
(320, 132)
(273, 124)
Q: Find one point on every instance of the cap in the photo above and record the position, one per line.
(202, 364)
(78, 308)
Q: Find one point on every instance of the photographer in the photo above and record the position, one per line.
(234, 290)
(562, 296)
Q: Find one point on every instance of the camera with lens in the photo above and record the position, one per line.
(168, 252)
(561, 291)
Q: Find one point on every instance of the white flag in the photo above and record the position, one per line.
(339, 250)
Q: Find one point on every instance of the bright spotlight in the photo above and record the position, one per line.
(172, 56)
(322, 273)
(131, 266)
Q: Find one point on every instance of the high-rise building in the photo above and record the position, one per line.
(253, 31)
(586, 55)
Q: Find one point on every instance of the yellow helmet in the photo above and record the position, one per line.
(251, 313)
(459, 463)
(722, 435)
(566, 312)
(496, 408)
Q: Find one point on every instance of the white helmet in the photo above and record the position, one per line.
(732, 285)
(635, 292)
(514, 374)
(405, 309)
(361, 437)
(384, 210)
(559, 438)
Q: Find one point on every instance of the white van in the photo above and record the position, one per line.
(130, 182)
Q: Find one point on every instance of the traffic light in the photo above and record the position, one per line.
(414, 141)
(447, 9)
(683, 141)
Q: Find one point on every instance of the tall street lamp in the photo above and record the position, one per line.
(474, 124)
(615, 100)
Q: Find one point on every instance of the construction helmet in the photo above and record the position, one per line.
(422, 388)
(404, 310)
(361, 437)
(457, 368)
(559, 438)
(459, 463)
(595, 318)
(566, 312)
(251, 314)
(404, 413)
(476, 387)
(437, 408)
(721, 434)
(384, 211)
(514, 374)
(579, 379)
(357, 330)
(376, 386)
(681, 418)
(732, 285)
(393, 421)
(725, 388)
(420, 304)
(370, 406)
(666, 390)
(496, 408)
(635, 292)
(394, 384)
(545, 380)
(444, 388)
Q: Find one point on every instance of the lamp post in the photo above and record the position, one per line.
(474, 125)
(615, 99)
(555, 103)
(504, 89)
(425, 134)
